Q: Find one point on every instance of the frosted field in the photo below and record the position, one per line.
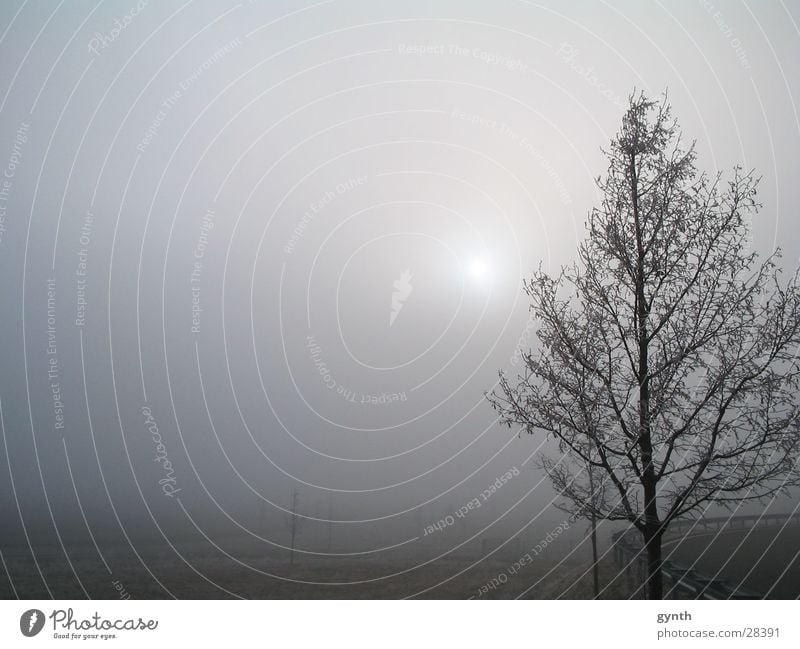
(202, 575)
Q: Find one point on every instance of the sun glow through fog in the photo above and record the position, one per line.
(478, 268)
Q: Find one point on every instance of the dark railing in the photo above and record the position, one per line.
(702, 525)
(681, 582)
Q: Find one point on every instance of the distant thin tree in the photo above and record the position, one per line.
(330, 523)
(591, 501)
(294, 522)
(593, 488)
(668, 348)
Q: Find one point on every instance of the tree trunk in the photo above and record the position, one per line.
(654, 586)
(652, 528)
(593, 522)
(595, 567)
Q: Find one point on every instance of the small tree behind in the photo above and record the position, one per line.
(294, 522)
(668, 351)
(590, 503)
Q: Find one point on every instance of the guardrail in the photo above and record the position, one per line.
(732, 522)
(681, 582)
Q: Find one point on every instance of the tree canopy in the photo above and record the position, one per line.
(667, 356)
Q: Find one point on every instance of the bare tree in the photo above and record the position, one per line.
(667, 348)
(294, 522)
